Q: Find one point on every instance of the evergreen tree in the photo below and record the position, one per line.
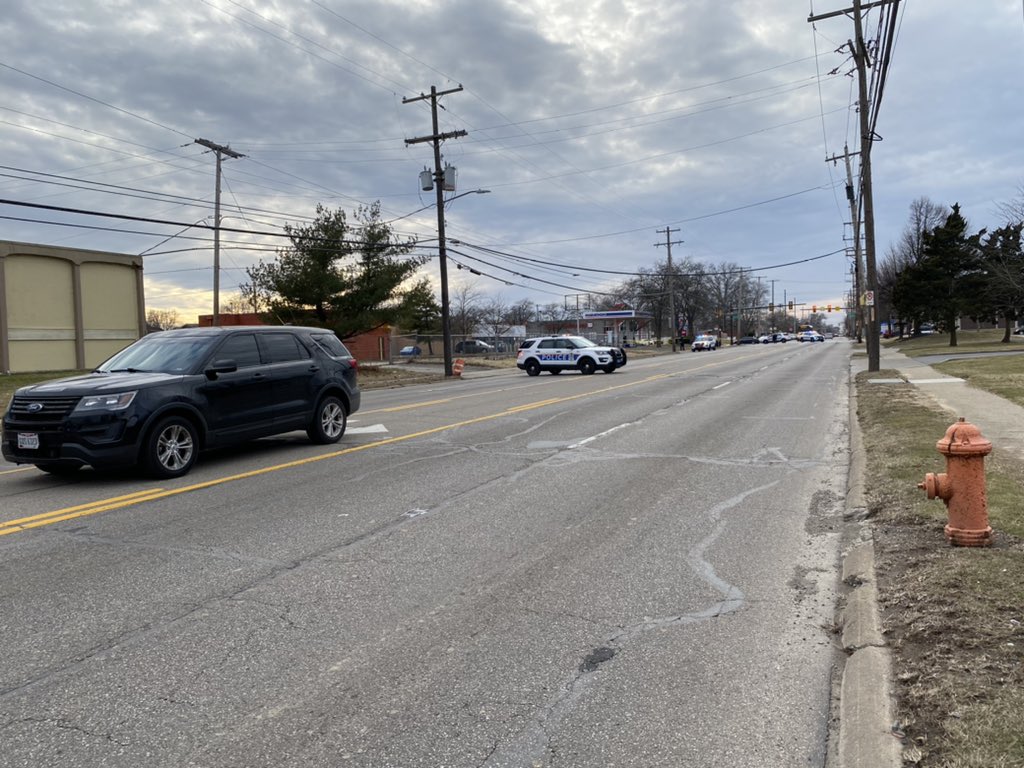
(1004, 276)
(335, 275)
(949, 278)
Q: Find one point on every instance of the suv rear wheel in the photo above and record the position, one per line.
(532, 367)
(329, 421)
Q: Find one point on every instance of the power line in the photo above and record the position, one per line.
(93, 99)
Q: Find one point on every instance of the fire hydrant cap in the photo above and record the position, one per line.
(964, 439)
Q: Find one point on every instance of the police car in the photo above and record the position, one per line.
(567, 353)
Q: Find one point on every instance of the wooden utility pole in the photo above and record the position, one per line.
(667, 231)
(860, 58)
(436, 138)
(858, 267)
(220, 150)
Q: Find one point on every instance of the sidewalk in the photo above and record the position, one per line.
(866, 698)
(999, 420)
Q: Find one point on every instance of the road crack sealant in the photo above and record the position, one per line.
(533, 742)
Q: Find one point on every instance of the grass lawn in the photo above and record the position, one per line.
(954, 617)
(11, 381)
(966, 341)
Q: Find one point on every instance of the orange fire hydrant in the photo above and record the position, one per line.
(962, 485)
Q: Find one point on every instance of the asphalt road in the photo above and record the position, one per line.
(635, 569)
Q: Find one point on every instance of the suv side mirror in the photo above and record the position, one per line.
(220, 366)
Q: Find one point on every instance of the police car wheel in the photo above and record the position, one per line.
(555, 371)
(587, 366)
(609, 368)
(532, 368)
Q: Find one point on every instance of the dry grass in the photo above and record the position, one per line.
(11, 381)
(384, 376)
(953, 616)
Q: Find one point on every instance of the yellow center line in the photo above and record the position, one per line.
(396, 408)
(19, 469)
(81, 510)
(153, 494)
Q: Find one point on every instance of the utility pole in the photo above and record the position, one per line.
(771, 318)
(436, 138)
(220, 150)
(858, 274)
(860, 58)
(667, 231)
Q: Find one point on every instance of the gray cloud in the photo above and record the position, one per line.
(584, 119)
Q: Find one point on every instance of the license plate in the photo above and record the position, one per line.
(28, 440)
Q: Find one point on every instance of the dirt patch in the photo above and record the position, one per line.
(952, 616)
(384, 376)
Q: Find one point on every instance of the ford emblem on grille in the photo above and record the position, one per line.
(35, 407)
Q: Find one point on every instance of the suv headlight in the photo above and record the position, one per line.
(115, 402)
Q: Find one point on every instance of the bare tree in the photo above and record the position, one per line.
(493, 315)
(1013, 211)
(164, 319)
(520, 312)
(723, 284)
(907, 251)
(237, 305)
(464, 310)
(556, 317)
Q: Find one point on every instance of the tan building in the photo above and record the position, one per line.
(66, 308)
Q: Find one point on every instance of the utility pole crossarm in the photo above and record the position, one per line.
(222, 148)
(438, 137)
(434, 93)
(848, 11)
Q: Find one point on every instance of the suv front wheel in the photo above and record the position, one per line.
(586, 366)
(329, 421)
(170, 450)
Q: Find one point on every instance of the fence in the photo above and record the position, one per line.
(431, 347)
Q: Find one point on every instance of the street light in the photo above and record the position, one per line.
(446, 312)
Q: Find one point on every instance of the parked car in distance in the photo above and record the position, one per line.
(747, 340)
(809, 336)
(410, 351)
(704, 342)
(773, 338)
(472, 346)
(161, 400)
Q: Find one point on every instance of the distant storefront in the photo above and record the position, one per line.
(66, 308)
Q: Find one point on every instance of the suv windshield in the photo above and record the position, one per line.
(163, 354)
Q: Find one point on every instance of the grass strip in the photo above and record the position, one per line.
(953, 616)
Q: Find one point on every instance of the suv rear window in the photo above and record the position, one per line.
(331, 344)
(282, 348)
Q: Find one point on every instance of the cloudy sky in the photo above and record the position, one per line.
(592, 123)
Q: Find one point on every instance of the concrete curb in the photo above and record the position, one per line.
(865, 700)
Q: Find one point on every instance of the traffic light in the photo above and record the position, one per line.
(814, 307)
(791, 306)
(771, 307)
(829, 307)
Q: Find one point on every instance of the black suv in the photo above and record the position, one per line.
(161, 400)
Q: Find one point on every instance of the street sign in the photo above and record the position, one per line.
(869, 298)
